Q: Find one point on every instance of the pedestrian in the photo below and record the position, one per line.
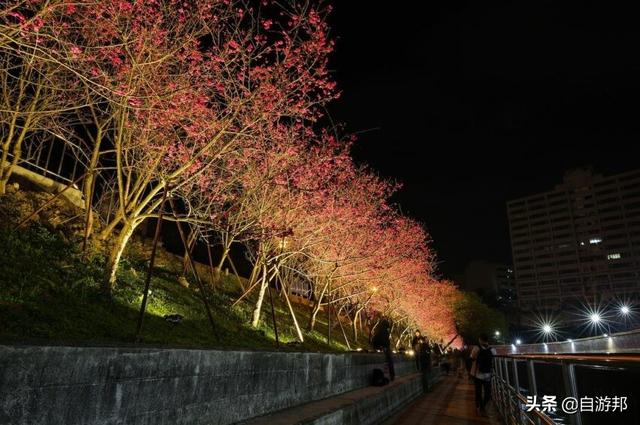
(425, 363)
(468, 362)
(416, 344)
(382, 341)
(482, 357)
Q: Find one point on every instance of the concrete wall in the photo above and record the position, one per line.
(72, 194)
(84, 385)
(375, 408)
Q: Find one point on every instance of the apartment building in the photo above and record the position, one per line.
(488, 277)
(580, 240)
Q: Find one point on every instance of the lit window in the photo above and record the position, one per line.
(614, 256)
(595, 241)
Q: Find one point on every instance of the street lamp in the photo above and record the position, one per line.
(595, 318)
(625, 310)
(518, 341)
(547, 329)
(497, 333)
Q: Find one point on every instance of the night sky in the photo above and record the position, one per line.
(471, 104)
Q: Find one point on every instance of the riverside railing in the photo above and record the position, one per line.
(577, 383)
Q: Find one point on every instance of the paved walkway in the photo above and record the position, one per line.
(450, 403)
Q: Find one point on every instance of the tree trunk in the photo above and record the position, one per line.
(191, 242)
(344, 334)
(356, 316)
(10, 167)
(316, 308)
(263, 290)
(225, 253)
(115, 255)
(293, 314)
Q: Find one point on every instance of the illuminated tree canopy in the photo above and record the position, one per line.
(218, 104)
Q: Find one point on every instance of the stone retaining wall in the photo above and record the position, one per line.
(104, 385)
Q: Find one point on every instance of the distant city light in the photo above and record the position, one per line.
(595, 241)
(614, 256)
(546, 328)
(625, 310)
(518, 341)
(497, 333)
(595, 318)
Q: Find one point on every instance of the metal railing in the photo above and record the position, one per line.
(59, 160)
(579, 378)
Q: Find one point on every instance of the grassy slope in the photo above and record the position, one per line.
(48, 293)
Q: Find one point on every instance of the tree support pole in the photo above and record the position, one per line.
(203, 293)
(87, 223)
(273, 312)
(152, 259)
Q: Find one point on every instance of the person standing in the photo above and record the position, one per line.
(481, 369)
(468, 362)
(416, 344)
(425, 363)
(382, 341)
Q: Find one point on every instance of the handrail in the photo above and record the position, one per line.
(540, 415)
(511, 405)
(582, 358)
(619, 343)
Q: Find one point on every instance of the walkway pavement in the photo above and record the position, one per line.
(450, 403)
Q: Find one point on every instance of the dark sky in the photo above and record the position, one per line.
(470, 104)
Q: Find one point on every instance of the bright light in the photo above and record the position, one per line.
(595, 318)
(518, 341)
(595, 241)
(410, 353)
(625, 309)
(497, 333)
(546, 327)
(614, 256)
(605, 335)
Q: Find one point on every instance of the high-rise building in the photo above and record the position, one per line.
(494, 282)
(487, 277)
(580, 240)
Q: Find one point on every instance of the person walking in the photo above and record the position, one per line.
(481, 369)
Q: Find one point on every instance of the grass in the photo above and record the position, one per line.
(49, 293)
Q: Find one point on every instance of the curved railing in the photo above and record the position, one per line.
(581, 382)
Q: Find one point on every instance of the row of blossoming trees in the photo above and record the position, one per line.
(216, 106)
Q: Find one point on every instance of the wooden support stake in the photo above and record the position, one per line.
(203, 293)
(152, 259)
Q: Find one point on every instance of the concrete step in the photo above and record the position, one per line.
(366, 406)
